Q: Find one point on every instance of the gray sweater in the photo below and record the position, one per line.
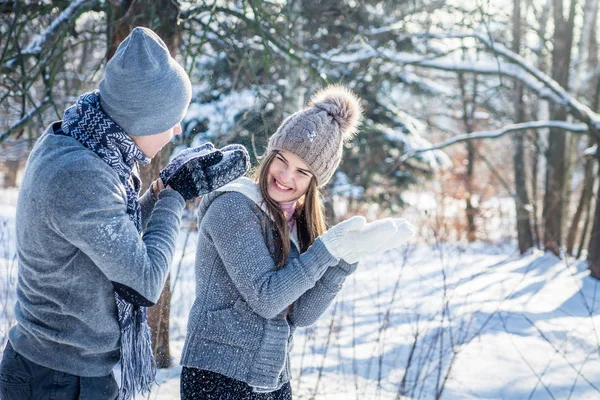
(74, 237)
(239, 325)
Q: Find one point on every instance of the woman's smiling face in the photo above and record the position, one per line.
(288, 177)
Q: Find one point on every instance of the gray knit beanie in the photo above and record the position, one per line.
(144, 90)
(317, 133)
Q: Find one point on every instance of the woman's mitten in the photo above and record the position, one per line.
(405, 232)
(354, 238)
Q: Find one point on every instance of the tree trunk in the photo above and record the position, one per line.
(12, 170)
(570, 165)
(470, 210)
(586, 61)
(162, 17)
(159, 314)
(584, 201)
(586, 42)
(295, 91)
(535, 172)
(524, 234)
(586, 231)
(594, 244)
(555, 165)
(542, 65)
(470, 173)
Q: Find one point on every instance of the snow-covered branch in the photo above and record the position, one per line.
(274, 42)
(517, 68)
(575, 108)
(26, 118)
(591, 151)
(445, 64)
(576, 128)
(46, 39)
(194, 11)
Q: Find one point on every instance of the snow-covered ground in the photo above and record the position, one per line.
(467, 321)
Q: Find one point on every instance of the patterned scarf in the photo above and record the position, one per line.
(87, 123)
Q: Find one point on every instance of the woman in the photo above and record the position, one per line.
(265, 263)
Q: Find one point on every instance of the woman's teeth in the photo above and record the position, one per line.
(280, 186)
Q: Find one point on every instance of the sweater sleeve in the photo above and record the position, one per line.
(93, 217)
(234, 224)
(147, 203)
(312, 304)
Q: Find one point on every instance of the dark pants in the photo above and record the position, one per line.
(21, 379)
(198, 384)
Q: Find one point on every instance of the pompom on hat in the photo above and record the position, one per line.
(317, 133)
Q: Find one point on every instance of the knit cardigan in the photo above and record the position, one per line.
(239, 325)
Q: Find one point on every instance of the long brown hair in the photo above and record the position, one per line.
(309, 214)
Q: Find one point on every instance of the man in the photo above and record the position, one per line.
(85, 273)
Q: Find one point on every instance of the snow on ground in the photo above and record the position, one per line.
(467, 321)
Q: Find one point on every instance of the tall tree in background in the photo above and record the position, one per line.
(587, 60)
(524, 231)
(555, 157)
(468, 112)
(594, 59)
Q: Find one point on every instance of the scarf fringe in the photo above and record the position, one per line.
(138, 368)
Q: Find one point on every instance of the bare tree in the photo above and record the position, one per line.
(468, 112)
(555, 157)
(524, 231)
(586, 61)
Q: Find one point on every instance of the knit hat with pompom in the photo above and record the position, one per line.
(317, 133)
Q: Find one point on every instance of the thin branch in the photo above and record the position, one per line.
(576, 128)
(577, 109)
(46, 40)
(541, 83)
(26, 118)
(580, 111)
(273, 43)
(556, 350)
(531, 368)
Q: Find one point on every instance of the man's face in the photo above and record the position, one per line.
(150, 145)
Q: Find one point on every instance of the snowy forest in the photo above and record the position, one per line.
(481, 127)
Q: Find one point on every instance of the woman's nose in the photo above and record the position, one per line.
(284, 175)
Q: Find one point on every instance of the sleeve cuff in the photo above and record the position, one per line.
(319, 257)
(147, 200)
(336, 275)
(170, 193)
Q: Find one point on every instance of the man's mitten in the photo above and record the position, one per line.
(201, 174)
(234, 164)
(184, 156)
